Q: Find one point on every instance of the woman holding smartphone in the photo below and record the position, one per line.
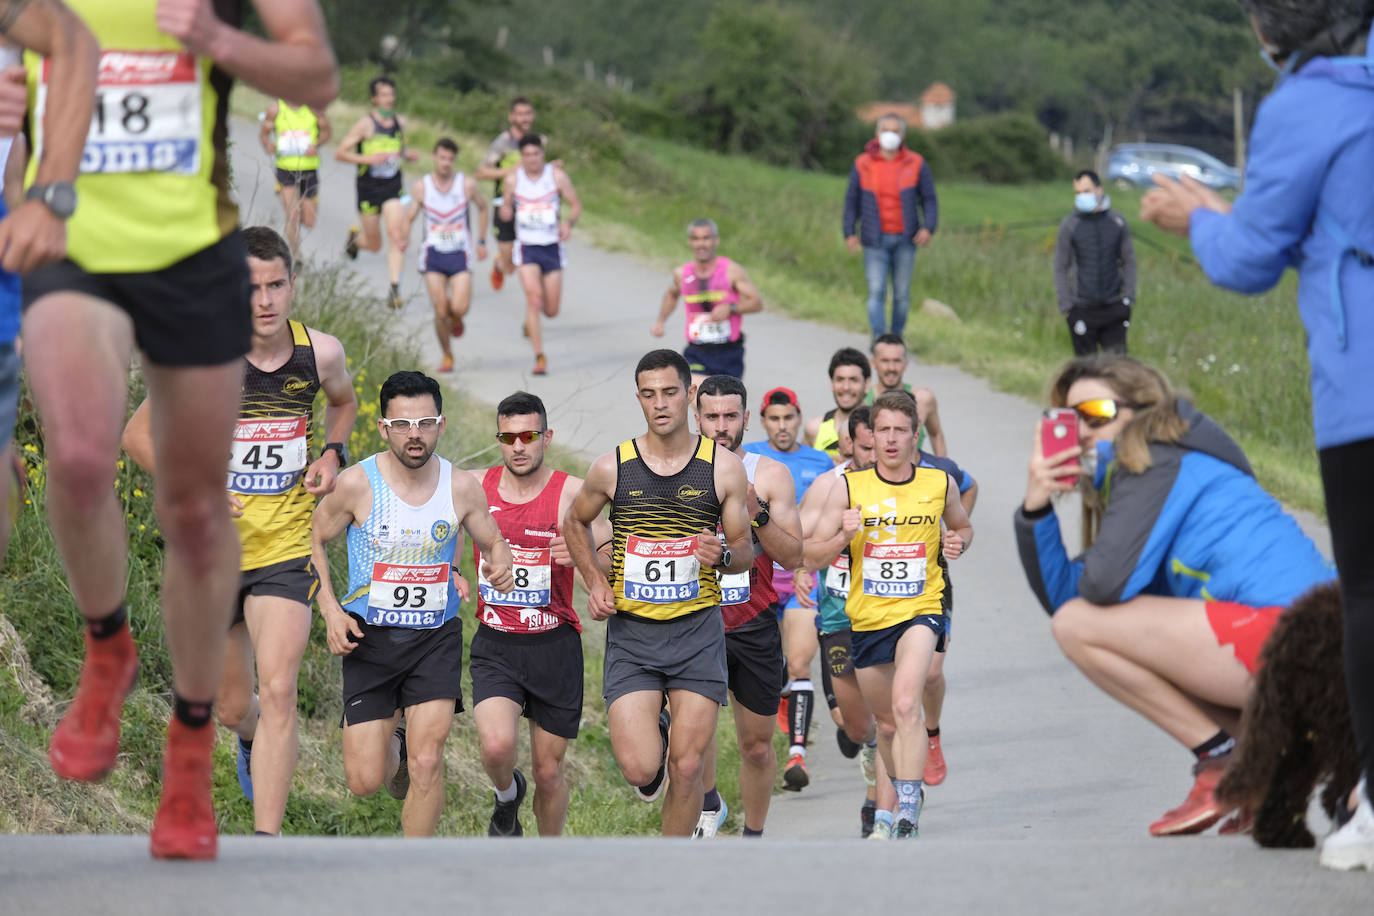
(1187, 561)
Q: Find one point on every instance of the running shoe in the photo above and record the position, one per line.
(1243, 821)
(709, 824)
(795, 777)
(910, 829)
(184, 827)
(393, 298)
(868, 764)
(935, 763)
(505, 816)
(785, 716)
(446, 364)
(1200, 809)
(245, 768)
(1352, 846)
(498, 279)
(882, 830)
(866, 814)
(399, 784)
(654, 789)
(457, 329)
(86, 741)
(351, 246)
(848, 746)
(541, 365)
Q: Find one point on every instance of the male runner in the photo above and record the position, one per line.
(444, 196)
(781, 414)
(500, 162)
(753, 644)
(272, 487)
(716, 292)
(849, 372)
(397, 626)
(892, 515)
(889, 365)
(292, 135)
(670, 490)
(532, 196)
(376, 144)
(526, 656)
(154, 263)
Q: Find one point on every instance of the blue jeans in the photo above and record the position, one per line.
(895, 256)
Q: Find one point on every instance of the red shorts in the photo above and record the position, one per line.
(1244, 627)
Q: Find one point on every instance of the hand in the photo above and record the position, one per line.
(558, 548)
(191, 22)
(921, 238)
(951, 545)
(600, 600)
(802, 585)
(31, 237)
(499, 575)
(1171, 203)
(338, 627)
(462, 586)
(850, 522)
(14, 99)
(312, 150)
(656, 329)
(564, 231)
(412, 155)
(557, 163)
(322, 474)
(852, 243)
(720, 311)
(235, 506)
(1041, 482)
(709, 548)
(481, 251)
(376, 158)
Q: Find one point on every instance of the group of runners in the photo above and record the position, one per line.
(534, 202)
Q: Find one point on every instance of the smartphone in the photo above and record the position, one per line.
(1058, 432)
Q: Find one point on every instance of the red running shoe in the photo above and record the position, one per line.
(935, 763)
(795, 777)
(785, 716)
(498, 279)
(1200, 809)
(86, 742)
(184, 827)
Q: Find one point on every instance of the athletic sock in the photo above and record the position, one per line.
(711, 800)
(508, 793)
(908, 798)
(883, 816)
(264, 833)
(106, 627)
(1218, 745)
(192, 715)
(799, 714)
(933, 732)
(748, 832)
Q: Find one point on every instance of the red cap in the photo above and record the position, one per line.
(787, 393)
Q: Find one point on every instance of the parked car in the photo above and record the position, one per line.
(1137, 163)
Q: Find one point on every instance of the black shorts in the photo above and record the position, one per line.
(540, 671)
(372, 193)
(194, 313)
(716, 359)
(879, 647)
(837, 653)
(395, 667)
(686, 653)
(307, 181)
(292, 579)
(756, 666)
(505, 231)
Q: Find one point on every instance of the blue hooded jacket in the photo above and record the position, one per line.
(1195, 524)
(1309, 203)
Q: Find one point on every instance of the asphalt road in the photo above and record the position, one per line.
(1051, 784)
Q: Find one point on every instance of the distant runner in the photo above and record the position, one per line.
(292, 136)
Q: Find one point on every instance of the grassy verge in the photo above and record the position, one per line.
(40, 656)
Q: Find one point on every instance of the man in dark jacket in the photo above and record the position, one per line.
(1095, 245)
(887, 186)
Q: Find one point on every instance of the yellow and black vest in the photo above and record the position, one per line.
(656, 521)
(895, 573)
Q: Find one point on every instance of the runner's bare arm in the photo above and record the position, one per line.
(668, 303)
(332, 516)
(347, 150)
(928, 409)
(138, 438)
(781, 537)
(15, 165)
(488, 170)
(483, 208)
(408, 153)
(295, 62)
(835, 527)
(600, 529)
(268, 126)
(809, 431)
(340, 410)
(507, 208)
(733, 486)
(477, 521)
(969, 498)
(749, 298)
(565, 187)
(417, 202)
(593, 496)
(958, 533)
(326, 130)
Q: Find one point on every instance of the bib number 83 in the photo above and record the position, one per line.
(892, 569)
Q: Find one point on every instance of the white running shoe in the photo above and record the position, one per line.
(882, 830)
(710, 822)
(868, 764)
(1352, 846)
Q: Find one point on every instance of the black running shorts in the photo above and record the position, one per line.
(396, 667)
(292, 579)
(306, 181)
(756, 666)
(540, 671)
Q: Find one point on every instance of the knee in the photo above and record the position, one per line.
(548, 776)
(759, 754)
(80, 470)
(191, 520)
(638, 771)
(935, 678)
(426, 765)
(277, 696)
(441, 305)
(497, 748)
(232, 711)
(907, 709)
(363, 781)
(1069, 625)
(860, 732)
(684, 768)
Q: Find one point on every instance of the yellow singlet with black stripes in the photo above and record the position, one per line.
(271, 453)
(655, 523)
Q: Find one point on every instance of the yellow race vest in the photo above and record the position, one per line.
(895, 573)
(297, 130)
(153, 187)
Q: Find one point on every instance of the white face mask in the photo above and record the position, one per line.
(889, 140)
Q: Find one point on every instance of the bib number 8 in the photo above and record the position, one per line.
(522, 577)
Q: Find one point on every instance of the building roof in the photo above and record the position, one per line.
(938, 94)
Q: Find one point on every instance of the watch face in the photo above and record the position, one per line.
(60, 197)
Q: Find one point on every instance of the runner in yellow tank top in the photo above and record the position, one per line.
(892, 514)
(154, 263)
(668, 490)
(292, 136)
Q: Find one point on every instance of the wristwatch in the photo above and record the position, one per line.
(762, 518)
(339, 449)
(59, 197)
(725, 558)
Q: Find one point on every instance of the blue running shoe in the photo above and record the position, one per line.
(246, 769)
(710, 822)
